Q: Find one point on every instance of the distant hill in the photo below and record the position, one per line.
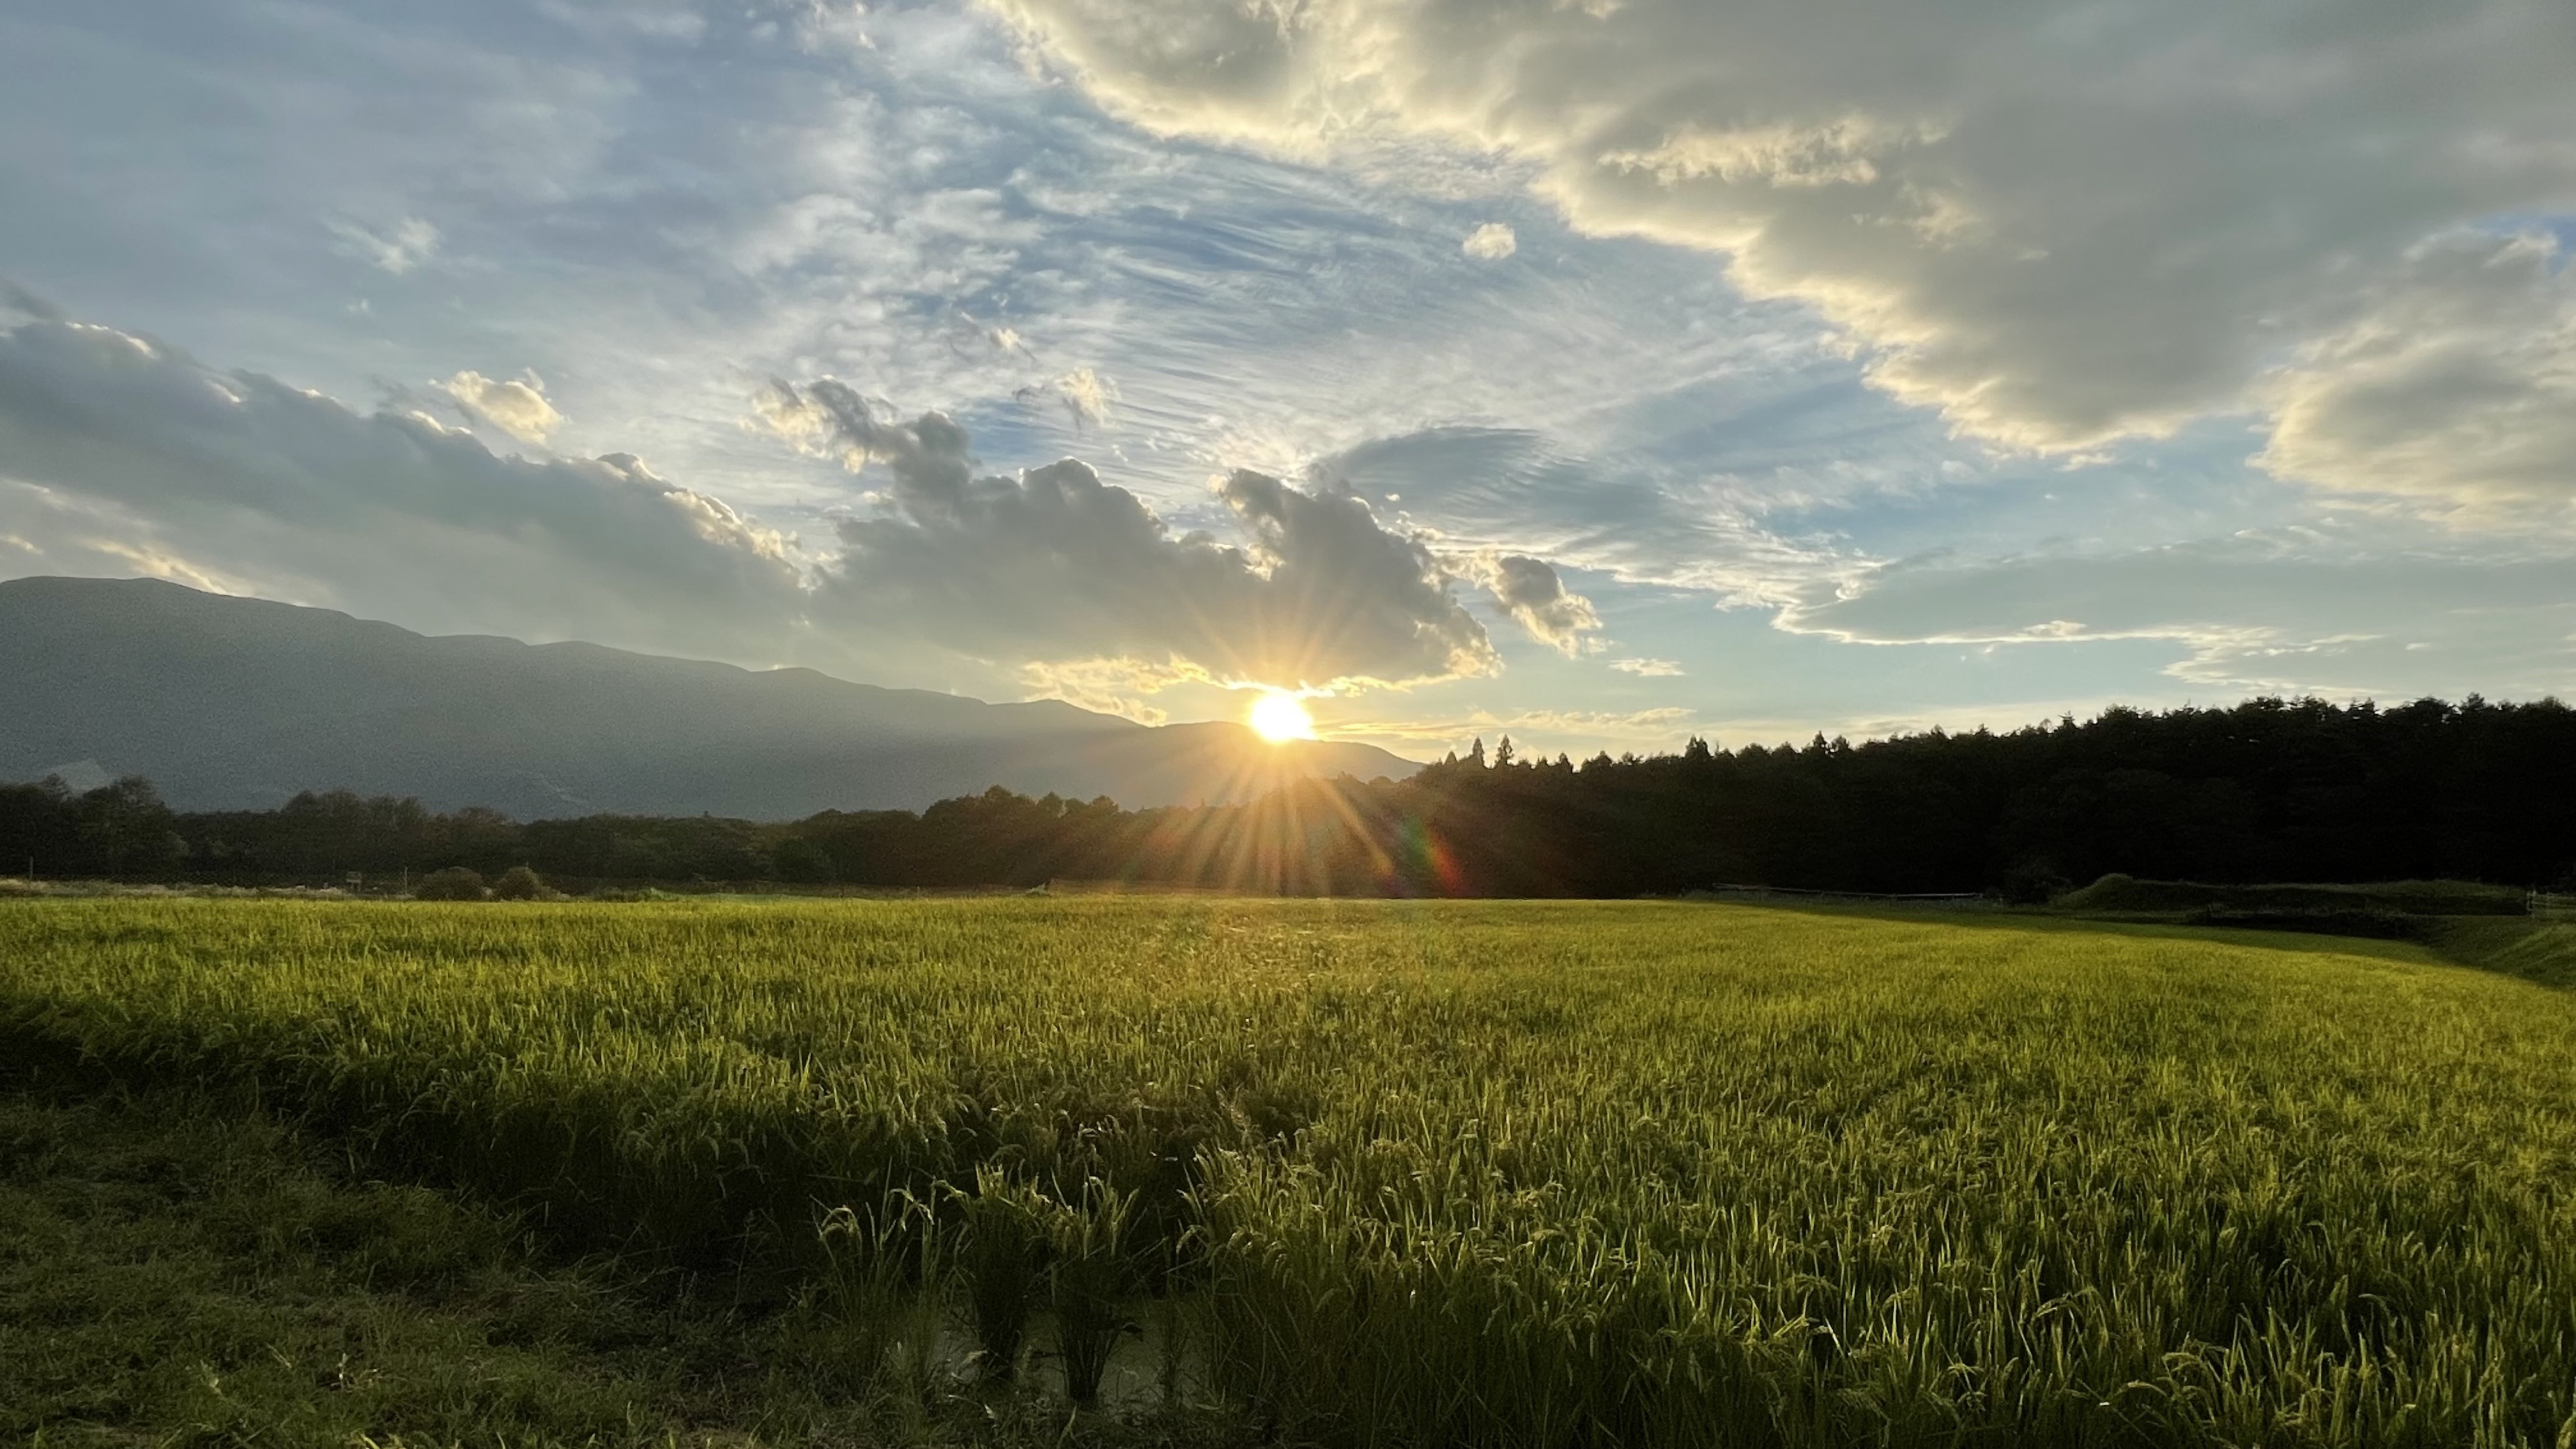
(232, 703)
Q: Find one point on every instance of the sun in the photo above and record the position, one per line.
(1279, 717)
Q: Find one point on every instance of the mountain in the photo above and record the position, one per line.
(232, 703)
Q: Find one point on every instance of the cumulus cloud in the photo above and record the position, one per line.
(517, 407)
(1054, 563)
(1531, 593)
(1491, 242)
(114, 446)
(2458, 384)
(2250, 615)
(2058, 230)
(1086, 395)
(1648, 668)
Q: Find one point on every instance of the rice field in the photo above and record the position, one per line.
(1530, 1173)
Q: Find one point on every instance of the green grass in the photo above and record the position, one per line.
(171, 1273)
(177, 1272)
(1531, 1173)
(2124, 893)
(2539, 950)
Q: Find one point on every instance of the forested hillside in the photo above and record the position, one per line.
(2264, 791)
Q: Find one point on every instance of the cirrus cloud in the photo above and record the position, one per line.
(2057, 229)
(2249, 615)
(395, 249)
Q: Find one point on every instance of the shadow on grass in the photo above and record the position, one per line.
(2538, 950)
(2534, 949)
(2039, 921)
(177, 1271)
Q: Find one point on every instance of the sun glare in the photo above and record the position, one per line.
(1278, 717)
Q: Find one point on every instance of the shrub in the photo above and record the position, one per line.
(456, 883)
(2033, 883)
(519, 883)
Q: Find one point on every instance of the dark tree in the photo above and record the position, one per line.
(2269, 790)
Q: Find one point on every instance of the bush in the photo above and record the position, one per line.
(2033, 883)
(519, 883)
(456, 883)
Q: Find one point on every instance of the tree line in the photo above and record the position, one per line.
(2268, 790)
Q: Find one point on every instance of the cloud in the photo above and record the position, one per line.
(115, 447)
(517, 408)
(17, 304)
(1634, 519)
(2103, 222)
(2251, 615)
(119, 453)
(2457, 384)
(1648, 668)
(1529, 590)
(1086, 395)
(1491, 242)
(1056, 564)
(1538, 731)
(1111, 686)
(396, 249)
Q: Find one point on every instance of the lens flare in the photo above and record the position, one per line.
(1278, 717)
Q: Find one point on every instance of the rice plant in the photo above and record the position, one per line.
(881, 1275)
(1538, 1173)
(1090, 1281)
(1006, 1231)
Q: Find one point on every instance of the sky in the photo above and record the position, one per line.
(1599, 372)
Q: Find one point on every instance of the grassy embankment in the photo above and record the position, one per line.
(2475, 925)
(1538, 1173)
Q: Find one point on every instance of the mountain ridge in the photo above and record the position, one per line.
(229, 702)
